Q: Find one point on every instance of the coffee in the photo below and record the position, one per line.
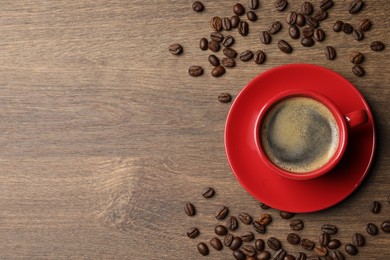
(300, 135)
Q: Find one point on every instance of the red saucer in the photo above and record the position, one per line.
(269, 187)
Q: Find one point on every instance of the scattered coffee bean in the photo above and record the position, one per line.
(220, 230)
(372, 229)
(280, 5)
(238, 9)
(312, 22)
(274, 243)
(347, 28)
(235, 21)
(194, 71)
(330, 54)
(275, 27)
(216, 23)
(358, 240)
(319, 35)
(321, 15)
(214, 46)
(193, 232)
(221, 213)
(286, 215)
(265, 219)
(357, 35)
(377, 46)
(224, 97)
(291, 17)
(253, 4)
(334, 243)
(364, 25)
(338, 26)
(208, 192)
(227, 241)
(289, 257)
(296, 224)
(351, 249)
(307, 42)
(307, 244)
(307, 32)
(203, 44)
(197, 6)
(216, 243)
(228, 62)
(259, 57)
(247, 237)
(358, 71)
(320, 250)
(216, 36)
(246, 55)
(245, 218)
(236, 243)
(259, 244)
(229, 52)
(218, 71)
(385, 226)
(293, 238)
(265, 206)
(301, 20)
(228, 41)
(355, 6)
(326, 4)
(294, 32)
(337, 255)
(251, 16)
(265, 37)
(307, 8)
(284, 46)
(259, 228)
(243, 28)
(356, 57)
(324, 239)
(279, 254)
(329, 229)
(264, 255)
(239, 255)
(175, 49)
(232, 223)
(301, 256)
(248, 250)
(203, 249)
(226, 24)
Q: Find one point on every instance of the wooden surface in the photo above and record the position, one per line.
(104, 136)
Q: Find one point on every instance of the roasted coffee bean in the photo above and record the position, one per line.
(236, 243)
(238, 9)
(245, 218)
(229, 52)
(320, 250)
(301, 20)
(377, 46)
(326, 4)
(338, 26)
(175, 49)
(253, 4)
(248, 250)
(321, 15)
(291, 17)
(307, 8)
(216, 23)
(286, 215)
(216, 243)
(265, 37)
(372, 229)
(358, 240)
(259, 228)
(358, 71)
(220, 230)
(259, 244)
(324, 239)
(216, 36)
(280, 5)
(355, 6)
(265, 206)
(227, 241)
(265, 219)
(226, 24)
(218, 71)
(228, 62)
(203, 44)
(284, 46)
(289, 257)
(329, 229)
(193, 232)
(307, 42)
(319, 35)
(330, 54)
(312, 22)
(296, 224)
(203, 248)
(232, 223)
(228, 41)
(251, 16)
(385, 226)
(301, 256)
(243, 28)
(194, 71)
(274, 243)
(351, 249)
(197, 6)
(279, 254)
(357, 35)
(208, 192)
(347, 28)
(224, 97)
(364, 25)
(214, 46)
(239, 255)
(307, 32)
(235, 21)
(293, 239)
(222, 212)
(294, 32)
(356, 57)
(247, 237)
(337, 255)
(264, 255)
(307, 244)
(246, 55)
(334, 243)
(275, 27)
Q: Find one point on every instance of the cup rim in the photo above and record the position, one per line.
(340, 120)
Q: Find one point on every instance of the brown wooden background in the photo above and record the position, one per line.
(104, 136)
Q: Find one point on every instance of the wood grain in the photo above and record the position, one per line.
(104, 136)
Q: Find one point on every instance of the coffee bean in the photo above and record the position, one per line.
(279, 254)
(274, 243)
(226, 24)
(293, 239)
(264, 255)
(175, 49)
(357, 35)
(238, 9)
(321, 15)
(337, 255)
(203, 44)
(232, 223)
(358, 240)
(312, 22)
(227, 241)
(307, 8)
(248, 250)
(307, 42)
(289, 257)
(301, 256)
(265, 37)
(194, 71)
(286, 215)
(224, 97)
(265, 206)
(307, 244)
(229, 52)
(377, 46)
(296, 224)
(239, 255)
(301, 20)
(253, 4)
(193, 232)
(330, 54)
(320, 250)
(259, 228)
(319, 35)
(265, 219)
(245, 218)
(235, 21)
(197, 6)
(218, 71)
(329, 229)
(284, 46)
(385, 226)
(364, 25)
(356, 57)
(307, 32)
(216, 36)
(216, 23)
(228, 41)
(351, 249)
(275, 27)
(259, 244)
(293, 31)
(358, 71)
(251, 16)
(216, 243)
(347, 28)
(243, 28)
(338, 26)
(247, 237)
(324, 239)
(221, 213)
(208, 192)
(372, 229)
(236, 243)
(355, 6)
(334, 244)
(246, 55)
(220, 230)
(203, 249)
(291, 17)
(326, 4)
(228, 62)
(280, 5)
(214, 46)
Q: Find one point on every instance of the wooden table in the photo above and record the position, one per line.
(104, 136)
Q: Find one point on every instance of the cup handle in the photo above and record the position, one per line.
(356, 118)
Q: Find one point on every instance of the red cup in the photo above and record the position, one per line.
(345, 124)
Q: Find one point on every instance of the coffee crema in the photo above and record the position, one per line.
(299, 134)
